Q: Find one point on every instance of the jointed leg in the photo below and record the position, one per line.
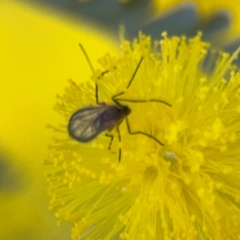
(96, 87)
(119, 139)
(139, 132)
(111, 140)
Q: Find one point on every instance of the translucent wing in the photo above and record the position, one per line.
(85, 124)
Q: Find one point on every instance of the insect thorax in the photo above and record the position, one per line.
(125, 110)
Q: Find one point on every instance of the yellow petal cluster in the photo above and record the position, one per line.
(187, 189)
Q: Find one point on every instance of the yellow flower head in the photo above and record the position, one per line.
(187, 189)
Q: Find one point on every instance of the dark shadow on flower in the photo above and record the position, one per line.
(110, 13)
(9, 179)
(231, 47)
(218, 23)
(178, 21)
(135, 15)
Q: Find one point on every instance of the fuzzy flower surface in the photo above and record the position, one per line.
(187, 189)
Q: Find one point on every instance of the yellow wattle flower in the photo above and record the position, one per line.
(187, 189)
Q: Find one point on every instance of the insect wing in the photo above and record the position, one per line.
(85, 124)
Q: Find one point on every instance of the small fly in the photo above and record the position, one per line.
(88, 122)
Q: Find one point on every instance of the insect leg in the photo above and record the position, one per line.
(130, 82)
(96, 93)
(96, 87)
(138, 101)
(120, 149)
(133, 76)
(93, 70)
(119, 139)
(116, 100)
(111, 140)
(139, 132)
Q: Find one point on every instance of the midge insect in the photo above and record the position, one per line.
(88, 122)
